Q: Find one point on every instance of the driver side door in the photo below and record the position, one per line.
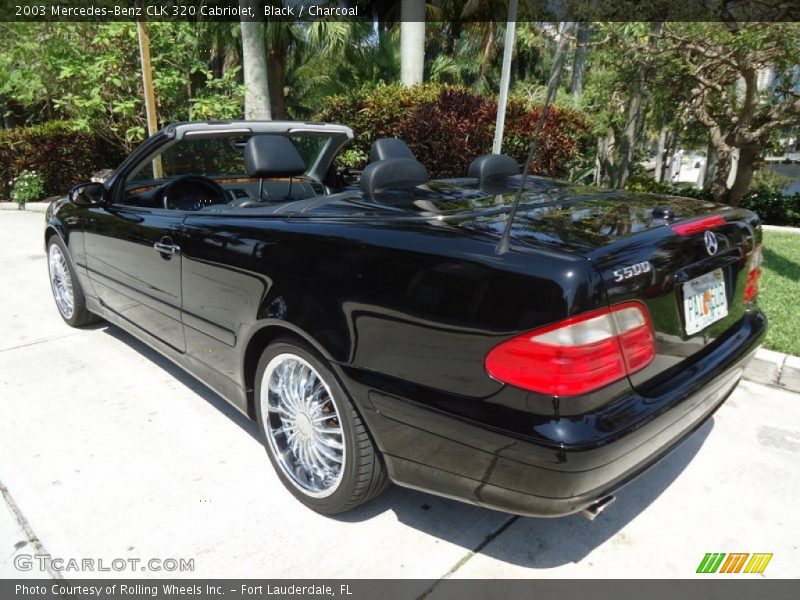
(134, 261)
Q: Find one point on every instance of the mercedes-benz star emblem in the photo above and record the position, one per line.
(712, 245)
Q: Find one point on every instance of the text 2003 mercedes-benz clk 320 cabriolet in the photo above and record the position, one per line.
(393, 329)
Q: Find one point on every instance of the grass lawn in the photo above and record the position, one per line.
(779, 293)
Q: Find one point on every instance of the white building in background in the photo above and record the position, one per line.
(687, 167)
(765, 82)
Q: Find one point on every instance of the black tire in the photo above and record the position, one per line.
(80, 315)
(363, 473)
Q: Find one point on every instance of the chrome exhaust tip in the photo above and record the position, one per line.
(594, 510)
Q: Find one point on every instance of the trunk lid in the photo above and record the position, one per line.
(641, 257)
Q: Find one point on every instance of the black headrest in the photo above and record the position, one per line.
(389, 148)
(272, 156)
(493, 166)
(392, 174)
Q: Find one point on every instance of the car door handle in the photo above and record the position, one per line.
(167, 247)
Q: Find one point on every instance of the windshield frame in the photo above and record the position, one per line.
(153, 146)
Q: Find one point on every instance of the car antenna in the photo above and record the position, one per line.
(552, 87)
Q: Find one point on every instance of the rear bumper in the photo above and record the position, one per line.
(563, 464)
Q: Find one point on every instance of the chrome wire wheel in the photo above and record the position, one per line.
(303, 426)
(61, 281)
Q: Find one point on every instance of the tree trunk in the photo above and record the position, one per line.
(633, 124)
(254, 61)
(412, 41)
(558, 61)
(711, 166)
(605, 160)
(488, 47)
(276, 74)
(719, 183)
(671, 145)
(630, 135)
(658, 173)
(579, 63)
(748, 162)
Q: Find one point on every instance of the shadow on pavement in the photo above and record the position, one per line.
(554, 542)
(545, 543)
(185, 378)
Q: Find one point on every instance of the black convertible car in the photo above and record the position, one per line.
(392, 328)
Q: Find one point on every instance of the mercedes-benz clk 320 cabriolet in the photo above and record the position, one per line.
(393, 328)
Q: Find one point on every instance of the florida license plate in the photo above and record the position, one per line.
(704, 301)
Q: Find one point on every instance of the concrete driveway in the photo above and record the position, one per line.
(108, 451)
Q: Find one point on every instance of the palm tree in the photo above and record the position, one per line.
(312, 51)
(412, 41)
(333, 57)
(579, 62)
(254, 61)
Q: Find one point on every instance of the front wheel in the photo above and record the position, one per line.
(314, 437)
(67, 291)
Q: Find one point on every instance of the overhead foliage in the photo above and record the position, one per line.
(643, 87)
(89, 74)
(724, 61)
(700, 81)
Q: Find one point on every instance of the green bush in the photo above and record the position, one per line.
(774, 208)
(764, 198)
(447, 127)
(61, 156)
(768, 180)
(28, 186)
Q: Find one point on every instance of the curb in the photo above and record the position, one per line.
(781, 229)
(774, 368)
(37, 207)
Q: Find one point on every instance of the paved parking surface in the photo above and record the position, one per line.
(109, 451)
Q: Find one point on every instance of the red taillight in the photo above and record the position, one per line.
(753, 275)
(577, 355)
(698, 225)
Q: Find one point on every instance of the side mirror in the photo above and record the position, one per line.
(88, 194)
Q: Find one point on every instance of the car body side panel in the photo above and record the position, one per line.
(413, 303)
(66, 220)
(131, 277)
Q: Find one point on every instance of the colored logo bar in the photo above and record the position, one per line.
(736, 562)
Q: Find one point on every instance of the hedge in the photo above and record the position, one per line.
(773, 206)
(447, 127)
(63, 157)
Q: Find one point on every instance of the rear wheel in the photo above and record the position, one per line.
(67, 291)
(314, 437)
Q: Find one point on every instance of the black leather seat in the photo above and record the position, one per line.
(393, 167)
(385, 148)
(492, 172)
(267, 156)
